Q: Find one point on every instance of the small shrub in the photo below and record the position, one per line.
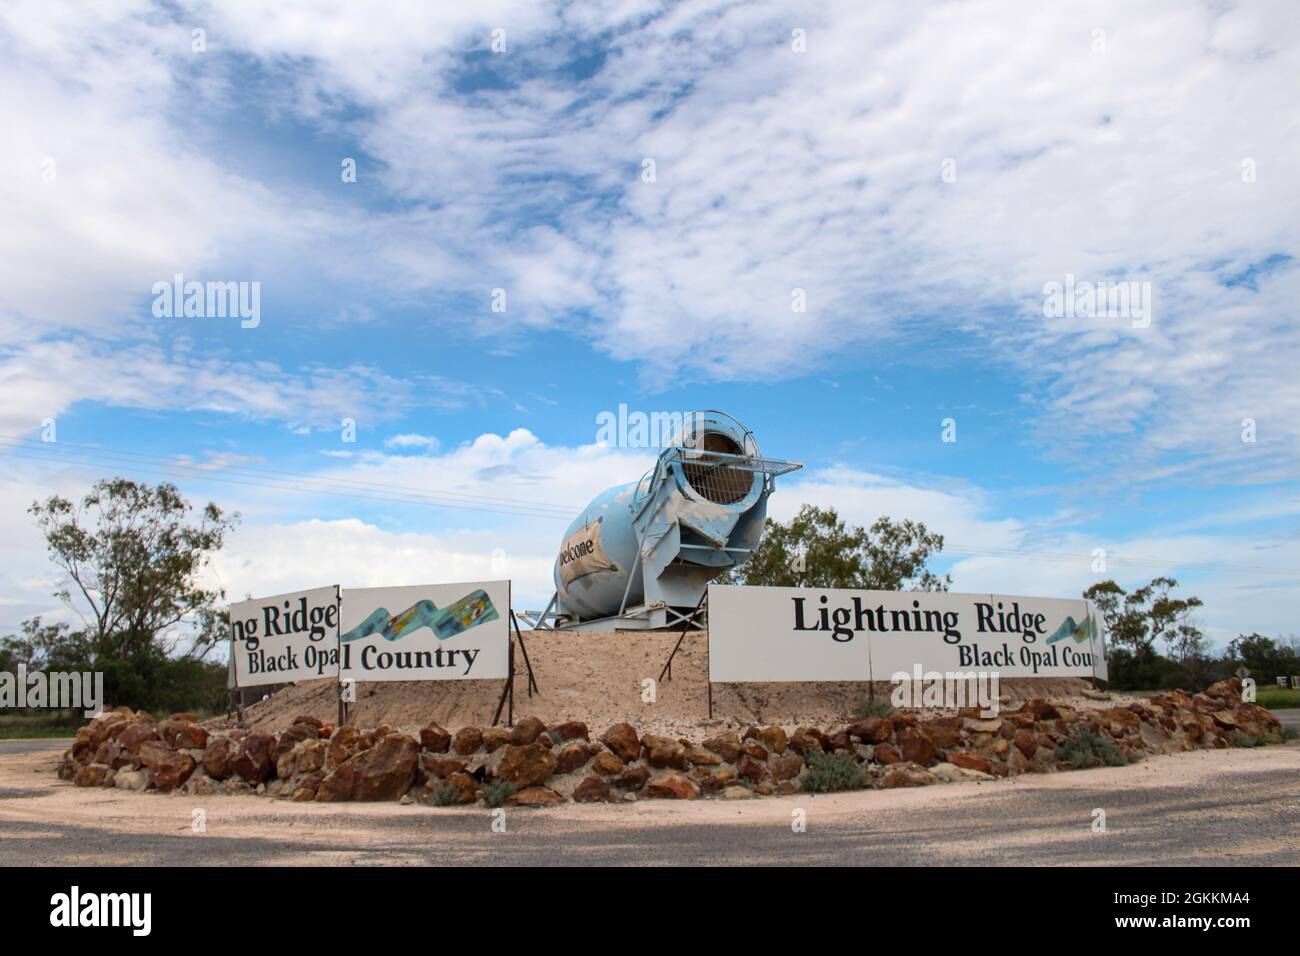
(1291, 733)
(828, 773)
(498, 792)
(1083, 749)
(873, 707)
(443, 795)
(1242, 739)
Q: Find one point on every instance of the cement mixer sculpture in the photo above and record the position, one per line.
(642, 554)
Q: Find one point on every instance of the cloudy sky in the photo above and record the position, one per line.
(651, 190)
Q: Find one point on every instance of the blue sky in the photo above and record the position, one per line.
(920, 172)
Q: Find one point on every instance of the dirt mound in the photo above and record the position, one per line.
(600, 679)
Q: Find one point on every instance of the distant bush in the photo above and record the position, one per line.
(1083, 749)
(498, 792)
(828, 773)
(873, 707)
(443, 795)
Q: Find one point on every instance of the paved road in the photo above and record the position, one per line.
(1290, 717)
(1224, 807)
(30, 745)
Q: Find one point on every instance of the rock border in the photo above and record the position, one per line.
(545, 765)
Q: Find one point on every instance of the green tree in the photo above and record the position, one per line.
(45, 647)
(1136, 621)
(1264, 657)
(817, 548)
(133, 555)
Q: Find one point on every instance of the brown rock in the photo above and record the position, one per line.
(1258, 721)
(773, 738)
(701, 757)
(572, 757)
(253, 760)
(495, 738)
(337, 786)
(290, 739)
(109, 752)
(633, 778)
(754, 749)
(467, 740)
(969, 761)
(592, 789)
(526, 765)
(1026, 742)
(387, 770)
(943, 732)
(623, 741)
(715, 780)
(1040, 709)
(92, 775)
(980, 726)
(311, 757)
(183, 735)
(434, 739)
(725, 746)
(916, 747)
(571, 730)
(438, 766)
(464, 789)
(525, 732)
(1119, 721)
(133, 736)
(1226, 690)
(607, 762)
(785, 766)
(536, 797)
(906, 775)
(308, 719)
(664, 752)
(751, 769)
(873, 730)
(804, 741)
(345, 744)
(216, 759)
(887, 754)
(673, 786)
(171, 768)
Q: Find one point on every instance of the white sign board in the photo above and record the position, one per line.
(815, 634)
(285, 638)
(426, 632)
(754, 637)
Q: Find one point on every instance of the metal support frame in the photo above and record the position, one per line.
(686, 620)
(508, 692)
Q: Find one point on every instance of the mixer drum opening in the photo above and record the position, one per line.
(713, 478)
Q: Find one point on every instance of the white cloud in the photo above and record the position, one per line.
(412, 440)
(776, 170)
(514, 495)
(43, 379)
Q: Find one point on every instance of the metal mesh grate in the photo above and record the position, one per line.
(721, 477)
